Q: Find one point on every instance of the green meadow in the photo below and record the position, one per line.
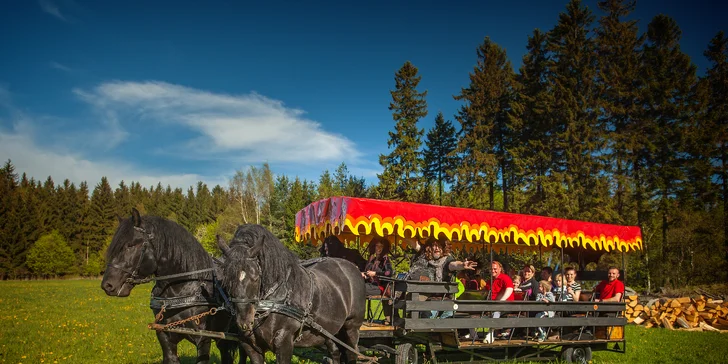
(73, 321)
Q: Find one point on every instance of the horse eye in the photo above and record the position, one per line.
(242, 276)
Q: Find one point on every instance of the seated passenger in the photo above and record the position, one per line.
(516, 283)
(544, 295)
(546, 274)
(611, 290)
(573, 288)
(529, 285)
(379, 265)
(434, 263)
(332, 247)
(501, 290)
(559, 289)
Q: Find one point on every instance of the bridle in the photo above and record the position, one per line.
(147, 238)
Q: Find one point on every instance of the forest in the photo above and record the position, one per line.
(600, 123)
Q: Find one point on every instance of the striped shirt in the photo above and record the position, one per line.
(574, 287)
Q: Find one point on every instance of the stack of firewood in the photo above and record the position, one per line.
(688, 313)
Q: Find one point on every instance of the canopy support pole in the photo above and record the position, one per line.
(540, 258)
(562, 268)
(624, 269)
(490, 294)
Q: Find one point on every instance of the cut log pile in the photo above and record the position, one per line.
(685, 313)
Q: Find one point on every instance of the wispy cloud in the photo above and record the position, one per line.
(250, 128)
(49, 7)
(60, 67)
(40, 162)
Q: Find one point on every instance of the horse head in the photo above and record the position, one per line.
(130, 256)
(242, 280)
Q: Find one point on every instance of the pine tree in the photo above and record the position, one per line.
(669, 79)
(326, 187)
(401, 178)
(123, 200)
(101, 218)
(484, 120)
(578, 142)
(716, 120)
(439, 156)
(533, 154)
(618, 43)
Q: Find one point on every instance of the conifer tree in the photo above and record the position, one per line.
(578, 140)
(618, 43)
(326, 187)
(716, 121)
(123, 200)
(669, 79)
(101, 218)
(484, 120)
(439, 156)
(533, 154)
(401, 178)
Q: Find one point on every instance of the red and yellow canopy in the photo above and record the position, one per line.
(361, 216)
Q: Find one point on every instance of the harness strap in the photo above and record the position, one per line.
(170, 276)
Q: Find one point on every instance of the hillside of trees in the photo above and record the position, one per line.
(600, 123)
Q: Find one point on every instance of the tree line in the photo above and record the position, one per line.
(600, 123)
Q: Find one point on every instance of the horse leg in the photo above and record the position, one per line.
(349, 335)
(203, 349)
(283, 346)
(227, 351)
(169, 347)
(334, 352)
(248, 351)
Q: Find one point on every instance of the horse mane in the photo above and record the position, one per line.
(171, 241)
(275, 259)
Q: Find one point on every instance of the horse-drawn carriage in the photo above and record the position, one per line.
(584, 326)
(264, 298)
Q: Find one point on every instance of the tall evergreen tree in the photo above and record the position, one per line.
(439, 156)
(618, 43)
(669, 78)
(485, 125)
(578, 139)
(401, 178)
(101, 219)
(716, 120)
(123, 200)
(326, 187)
(533, 154)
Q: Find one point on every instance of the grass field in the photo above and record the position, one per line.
(73, 321)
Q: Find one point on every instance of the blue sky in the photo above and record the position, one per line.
(181, 91)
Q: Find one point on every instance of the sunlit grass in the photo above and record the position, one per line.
(73, 321)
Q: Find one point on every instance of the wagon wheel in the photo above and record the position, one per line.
(577, 354)
(406, 353)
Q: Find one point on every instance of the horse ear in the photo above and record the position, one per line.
(222, 245)
(119, 218)
(136, 218)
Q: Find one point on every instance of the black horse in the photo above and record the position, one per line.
(277, 298)
(333, 247)
(150, 245)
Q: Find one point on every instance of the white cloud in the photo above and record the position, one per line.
(60, 67)
(251, 127)
(49, 7)
(40, 162)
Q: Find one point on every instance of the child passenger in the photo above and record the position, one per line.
(544, 295)
(516, 282)
(559, 290)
